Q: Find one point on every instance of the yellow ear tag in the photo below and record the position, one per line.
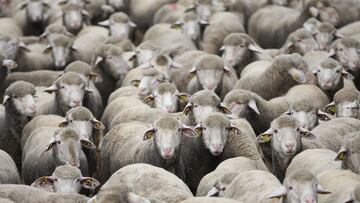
(198, 131)
(265, 138)
(332, 109)
(342, 156)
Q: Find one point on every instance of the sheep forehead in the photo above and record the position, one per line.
(20, 89)
(79, 67)
(346, 94)
(313, 21)
(162, 60)
(55, 28)
(168, 122)
(329, 63)
(301, 176)
(67, 172)
(237, 95)
(209, 61)
(71, 78)
(71, 7)
(306, 105)
(188, 17)
(80, 114)
(326, 27)
(300, 34)
(111, 49)
(237, 39)
(289, 60)
(69, 134)
(349, 42)
(284, 121)
(165, 87)
(6, 37)
(120, 17)
(357, 192)
(147, 45)
(205, 98)
(61, 40)
(217, 120)
(151, 72)
(127, 45)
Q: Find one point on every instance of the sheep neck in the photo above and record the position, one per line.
(14, 122)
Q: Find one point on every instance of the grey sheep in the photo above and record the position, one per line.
(149, 181)
(119, 24)
(221, 24)
(20, 108)
(345, 51)
(345, 104)
(8, 172)
(148, 144)
(284, 72)
(27, 194)
(348, 152)
(49, 147)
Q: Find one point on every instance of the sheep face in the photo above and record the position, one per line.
(307, 120)
(66, 179)
(35, 10)
(144, 56)
(60, 49)
(119, 25)
(167, 133)
(204, 11)
(349, 154)
(114, 65)
(234, 54)
(241, 103)
(301, 186)
(10, 46)
(304, 45)
(348, 56)
(347, 109)
(73, 95)
(67, 145)
(324, 12)
(74, 17)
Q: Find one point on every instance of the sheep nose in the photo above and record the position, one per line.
(77, 102)
(74, 162)
(290, 146)
(169, 108)
(33, 109)
(309, 199)
(210, 87)
(216, 147)
(167, 151)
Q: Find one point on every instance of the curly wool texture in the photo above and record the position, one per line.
(71, 78)
(119, 17)
(80, 114)
(209, 61)
(168, 122)
(189, 17)
(301, 176)
(326, 27)
(236, 39)
(306, 105)
(108, 50)
(20, 89)
(71, 7)
(329, 63)
(346, 94)
(347, 42)
(299, 35)
(79, 67)
(69, 134)
(67, 172)
(238, 95)
(205, 98)
(217, 120)
(284, 121)
(165, 87)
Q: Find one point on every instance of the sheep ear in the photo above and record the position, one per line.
(321, 190)
(95, 77)
(330, 108)
(177, 24)
(97, 124)
(87, 143)
(48, 50)
(315, 71)
(234, 129)
(228, 72)
(135, 83)
(88, 90)
(89, 183)
(98, 60)
(43, 182)
(265, 137)
(191, 74)
(341, 155)
(22, 6)
(224, 109)
(198, 129)
(150, 134)
(6, 98)
(255, 49)
(314, 11)
(347, 75)
(324, 116)
(306, 133)
(133, 56)
(52, 144)
(63, 124)
(10, 64)
(149, 100)
(213, 192)
(190, 8)
(183, 97)
(222, 48)
(204, 22)
(51, 89)
(85, 13)
(253, 106)
(105, 23)
(187, 109)
(350, 200)
(332, 52)
(297, 75)
(62, 2)
(132, 24)
(338, 35)
(278, 193)
(23, 46)
(176, 65)
(188, 132)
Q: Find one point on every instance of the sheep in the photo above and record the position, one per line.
(169, 13)
(284, 72)
(93, 101)
(252, 186)
(239, 50)
(218, 140)
(109, 63)
(348, 152)
(329, 134)
(49, 147)
(8, 172)
(11, 45)
(347, 12)
(148, 144)
(145, 52)
(9, 26)
(53, 30)
(210, 73)
(150, 181)
(301, 186)
(69, 90)
(285, 135)
(331, 76)
(202, 8)
(346, 53)
(285, 21)
(66, 179)
(214, 183)
(73, 17)
(300, 41)
(127, 91)
(221, 24)
(119, 25)
(203, 103)
(209, 199)
(20, 107)
(345, 104)
(314, 160)
(27, 194)
(5, 66)
(325, 34)
(118, 105)
(260, 113)
(341, 183)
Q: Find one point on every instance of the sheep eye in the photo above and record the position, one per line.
(55, 179)
(15, 97)
(290, 188)
(276, 131)
(179, 129)
(337, 71)
(58, 142)
(340, 49)
(62, 87)
(195, 105)
(109, 57)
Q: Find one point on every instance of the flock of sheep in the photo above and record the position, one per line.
(180, 101)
